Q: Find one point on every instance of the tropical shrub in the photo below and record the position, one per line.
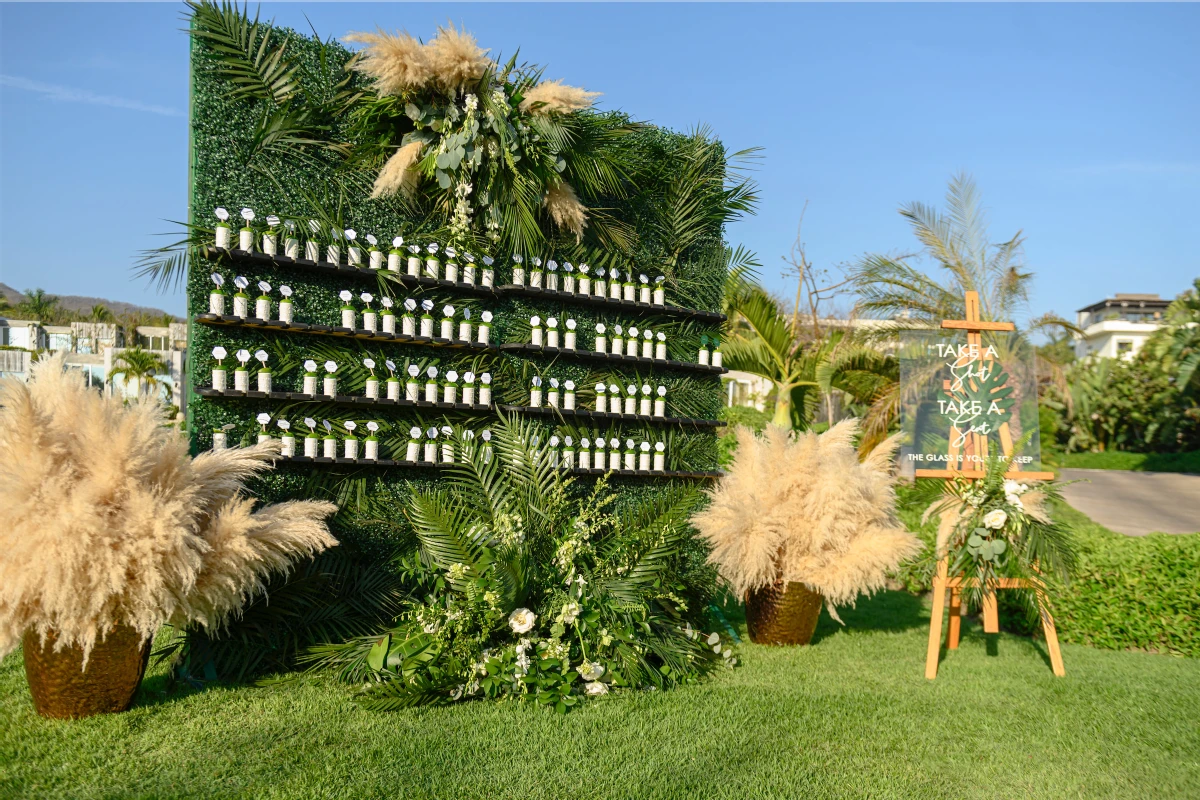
(105, 519)
(525, 587)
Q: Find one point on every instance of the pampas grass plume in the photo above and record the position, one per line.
(106, 520)
(804, 508)
(399, 174)
(564, 208)
(396, 62)
(553, 97)
(456, 59)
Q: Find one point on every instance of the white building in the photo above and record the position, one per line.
(1117, 327)
(92, 349)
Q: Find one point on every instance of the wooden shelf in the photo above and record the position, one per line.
(610, 358)
(343, 271)
(344, 400)
(391, 463)
(604, 416)
(344, 333)
(253, 259)
(609, 303)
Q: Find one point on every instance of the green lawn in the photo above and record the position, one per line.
(1140, 462)
(849, 716)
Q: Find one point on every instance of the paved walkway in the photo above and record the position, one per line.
(1136, 503)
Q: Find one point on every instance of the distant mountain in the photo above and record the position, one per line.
(73, 302)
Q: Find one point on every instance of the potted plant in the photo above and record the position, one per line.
(716, 352)
(270, 237)
(518, 276)
(263, 419)
(552, 332)
(552, 275)
(264, 372)
(599, 286)
(702, 356)
(310, 378)
(585, 280)
(221, 232)
(329, 442)
(800, 519)
(485, 389)
(660, 456)
(431, 384)
(285, 305)
(241, 375)
(411, 387)
(330, 386)
(644, 457)
(552, 393)
(601, 399)
(630, 456)
(614, 399)
(246, 234)
(601, 344)
(312, 245)
(644, 292)
(333, 250)
(489, 273)
(372, 386)
(85, 585)
(660, 402)
(393, 383)
(351, 441)
(218, 373)
(536, 273)
(629, 288)
(450, 388)
(387, 316)
(370, 320)
(464, 327)
(353, 251)
(347, 309)
(618, 340)
(430, 445)
(408, 322)
(569, 395)
(241, 300)
(374, 254)
(631, 343)
(220, 435)
(568, 278)
(432, 264)
(599, 458)
(216, 297)
(660, 294)
(262, 304)
(468, 390)
(644, 403)
(568, 453)
(427, 319)
(469, 276)
(311, 440)
(647, 344)
(483, 332)
(413, 450)
(630, 401)
(447, 445)
(451, 271)
(446, 328)
(287, 441)
(414, 260)
(660, 346)
(535, 330)
(371, 443)
(396, 254)
(291, 242)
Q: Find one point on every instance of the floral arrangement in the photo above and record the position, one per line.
(106, 520)
(493, 143)
(1000, 527)
(528, 591)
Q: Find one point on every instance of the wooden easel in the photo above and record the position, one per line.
(976, 444)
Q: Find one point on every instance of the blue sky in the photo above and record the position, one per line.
(1080, 123)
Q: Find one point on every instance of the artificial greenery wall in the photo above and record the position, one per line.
(279, 140)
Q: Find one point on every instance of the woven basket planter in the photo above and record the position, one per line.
(61, 688)
(782, 614)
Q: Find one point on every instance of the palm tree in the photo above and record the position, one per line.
(100, 313)
(145, 369)
(1179, 342)
(38, 305)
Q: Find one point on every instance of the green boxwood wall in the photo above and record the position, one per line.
(234, 166)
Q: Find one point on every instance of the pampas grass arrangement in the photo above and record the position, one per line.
(399, 62)
(400, 174)
(564, 208)
(552, 97)
(105, 520)
(803, 508)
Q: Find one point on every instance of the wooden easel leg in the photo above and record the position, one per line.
(953, 629)
(991, 613)
(1056, 662)
(935, 619)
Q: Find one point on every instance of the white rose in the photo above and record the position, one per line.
(521, 620)
(995, 519)
(590, 671)
(1012, 487)
(596, 688)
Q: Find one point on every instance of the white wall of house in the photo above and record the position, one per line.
(1118, 327)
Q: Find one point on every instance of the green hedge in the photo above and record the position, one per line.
(1129, 592)
(1137, 462)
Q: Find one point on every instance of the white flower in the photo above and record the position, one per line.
(570, 612)
(521, 620)
(595, 688)
(995, 519)
(590, 671)
(1014, 501)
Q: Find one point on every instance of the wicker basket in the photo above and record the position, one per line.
(780, 614)
(60, 686)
